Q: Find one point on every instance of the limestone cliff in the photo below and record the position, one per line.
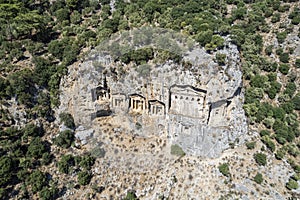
(196, 105)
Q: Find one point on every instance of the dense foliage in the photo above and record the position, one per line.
(39, 39)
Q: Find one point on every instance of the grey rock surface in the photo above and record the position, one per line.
(204, 123)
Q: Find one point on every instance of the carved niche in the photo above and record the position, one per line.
(156, 108)
(137, 103)
(118, 101)
(101, 94)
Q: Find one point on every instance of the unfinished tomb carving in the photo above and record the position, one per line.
(156, 108)
(118, 101)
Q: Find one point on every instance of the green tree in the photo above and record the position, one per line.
(221, 58)
(33, 130)
(258, 178)
(292, 184)
(84, 177)
(260, 158)
(87, 162)
(36, 148)
(250, 145)
(268, 142)
(37, 180)
(48, 193)
(204, 37)
(296, 101)
(64, 139)
(130, 196)
(65, 163)
(6, 170)
(224, 169)
(67, 120)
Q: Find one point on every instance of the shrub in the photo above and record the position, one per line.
(250, 145)
(48, 193)
(84, 177)
(296, 101)
(224, 169)
(284, 57)
(264, 132)
(67, 120)
(268, 142)
(37, 180)
(258, 178)
(292, 184)
(177, 150)
(279, 155)
(259, 81)
(260, 158)
(284, 69)
(36, 148)
(290, 89)
(87, 162)
(281, 36)
(269, 49)
(275, 18)
(130, 196)
(6, 169)
(65, 163)
(297, 63)
(64, 139)
(221, 58)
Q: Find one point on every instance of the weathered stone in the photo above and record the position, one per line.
(198, 107)
(84, 135)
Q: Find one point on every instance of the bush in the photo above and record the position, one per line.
(221, 58)
(36, 148)
(284, 57)
(87, 162)
(281, 36)
(48, 193)
(177, 150)
(259, 81)
(224, 169)
(279, 155)
(264, 132)
(64, 139)
(130, 196)
(297, 63)
(268, 142)
(275, 18)
(260, 158)
(65, 163)
(250, 145)
(258, 178)
(84, 177)
(292, 184)
(269, 49)
(284, 69)
(33, 130)
(37, 180)
(6, 169)
(296, 101)
(67, 120)
(290, 89)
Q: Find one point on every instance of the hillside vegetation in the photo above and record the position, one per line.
(40, 39)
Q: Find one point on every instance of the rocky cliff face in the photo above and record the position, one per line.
(196, 104)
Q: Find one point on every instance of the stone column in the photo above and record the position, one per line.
(131, 103)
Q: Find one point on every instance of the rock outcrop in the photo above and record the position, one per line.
(196, 104)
